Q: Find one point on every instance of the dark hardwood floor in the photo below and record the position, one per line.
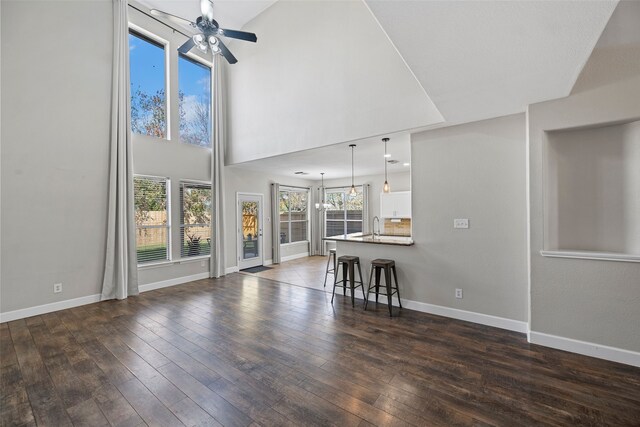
(244, 350)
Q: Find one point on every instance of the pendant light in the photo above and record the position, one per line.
(352, 192)
(322, 206)
(385, 187)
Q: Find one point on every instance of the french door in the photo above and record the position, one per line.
(250, 253)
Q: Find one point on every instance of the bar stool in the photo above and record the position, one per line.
(332, 256)
(388, 266)
(348, 264)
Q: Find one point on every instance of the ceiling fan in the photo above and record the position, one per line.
(209, 33)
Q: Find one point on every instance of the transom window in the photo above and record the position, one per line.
(294, 215)
(194, 97)
(344, 216)
(148, 91)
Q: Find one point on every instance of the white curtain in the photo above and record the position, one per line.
(121, 265)
(217, 262)
(365, 208)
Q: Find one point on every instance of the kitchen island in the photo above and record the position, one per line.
(370, 238)
(368, 247)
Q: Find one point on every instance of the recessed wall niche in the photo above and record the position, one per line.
(592, 189)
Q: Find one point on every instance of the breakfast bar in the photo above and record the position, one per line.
(373, 239)
(373, 252)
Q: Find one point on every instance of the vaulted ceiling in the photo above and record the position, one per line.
(471, 60)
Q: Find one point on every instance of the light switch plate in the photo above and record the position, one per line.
(461, 223)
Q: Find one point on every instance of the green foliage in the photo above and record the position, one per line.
(148, 117)
(293, 201)
(196, 209)
(150, 196)
(148, 113)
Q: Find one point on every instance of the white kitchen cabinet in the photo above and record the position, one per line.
(396, 204)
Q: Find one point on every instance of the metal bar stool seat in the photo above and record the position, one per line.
(388, 266)
(332, 270)
(348, 264)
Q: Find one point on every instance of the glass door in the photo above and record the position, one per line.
(249, 230)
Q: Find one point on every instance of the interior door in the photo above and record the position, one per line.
(249, 222)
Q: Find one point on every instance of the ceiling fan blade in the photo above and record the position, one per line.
(172, 18)
(187, 46)
(242, 35)
(226, 53)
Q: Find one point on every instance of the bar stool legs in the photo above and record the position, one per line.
(389, 266)
(332, 256)
(348, 264)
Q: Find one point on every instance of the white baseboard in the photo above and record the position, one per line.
(90, 299)
(296, 256)
(48, 308)
(613, 354)
(173, 282)
(230, 270)
(267, 262)
(454, 313)
(469, 316)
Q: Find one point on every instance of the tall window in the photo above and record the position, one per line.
(148, 92)
(294, 220)
(152, 218)
(195, 219)
(194, 97)
(346, 211)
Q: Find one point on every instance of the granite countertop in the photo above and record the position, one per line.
(369, 238)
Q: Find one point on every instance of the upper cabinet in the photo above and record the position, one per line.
(395, 204)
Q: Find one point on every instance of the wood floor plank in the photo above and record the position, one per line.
(249, 351)
(152, 411)
(223, 411)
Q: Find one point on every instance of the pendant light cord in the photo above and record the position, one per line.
(385, 160)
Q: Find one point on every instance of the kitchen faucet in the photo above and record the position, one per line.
(373, 227)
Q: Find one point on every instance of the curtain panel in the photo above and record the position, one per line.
(120, 278)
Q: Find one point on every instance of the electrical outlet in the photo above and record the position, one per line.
(461, 223)
(202, 263)
(57, 288)
(459, 293)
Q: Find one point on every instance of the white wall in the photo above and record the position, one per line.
(586, 300)
(321, 73)
(55, 149)
(474, 171)
(246, 181)
(592, 193)
(593, 301)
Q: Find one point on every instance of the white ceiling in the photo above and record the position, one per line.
(475, 60)
(616, 56)
(483, 59)
(231, 14)
(335, 160)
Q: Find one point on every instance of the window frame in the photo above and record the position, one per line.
(168, 111)
(344, 191)
(195, 183)
(168, 225)
(198, 60)
(284, 189)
